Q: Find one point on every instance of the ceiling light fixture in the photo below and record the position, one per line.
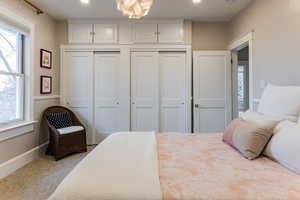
(135, 9)
(85, 1)
(197, 1)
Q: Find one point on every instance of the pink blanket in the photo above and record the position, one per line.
(202, 167)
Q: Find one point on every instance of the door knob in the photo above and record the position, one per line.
(196, 105)
(117, 103)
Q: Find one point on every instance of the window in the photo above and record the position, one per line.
(242, 86)
(12, 81)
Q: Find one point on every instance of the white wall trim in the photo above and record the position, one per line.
(19, 161)
(241, 41)
(38, 98)
(239, 44)
(16, 130)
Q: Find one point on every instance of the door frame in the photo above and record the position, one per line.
(228, 86)
(237, 45)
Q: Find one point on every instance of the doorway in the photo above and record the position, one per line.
(240, 74)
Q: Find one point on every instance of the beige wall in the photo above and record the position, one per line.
(209, 36)
(62, 32)
(276, 44)
(45, 37)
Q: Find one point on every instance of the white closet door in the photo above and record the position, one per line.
(81, 33)
(78, 87)
(144, 33)
(212, 91)
(172, 68)
(144, 91)
(108, 105)
(106, 33)
(170, 32)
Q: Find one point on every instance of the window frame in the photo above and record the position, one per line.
(20, 94)
(26, 125)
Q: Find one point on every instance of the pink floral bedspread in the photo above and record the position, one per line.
(202, 167)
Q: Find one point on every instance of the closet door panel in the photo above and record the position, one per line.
(107, 104)
(144, 91)
(171, 32)
(77, 87)
(106, 33)
(144, 33)
(172, 92)
(81, 33)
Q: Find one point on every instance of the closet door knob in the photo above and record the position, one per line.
(117, 103)
(196, 105)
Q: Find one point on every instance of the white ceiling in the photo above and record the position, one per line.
(208, 10)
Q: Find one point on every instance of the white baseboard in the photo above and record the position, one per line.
(17, 162)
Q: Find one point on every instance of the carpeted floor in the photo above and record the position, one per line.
(38, 179)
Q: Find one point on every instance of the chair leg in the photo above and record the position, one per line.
(57, 159)
(48, 151)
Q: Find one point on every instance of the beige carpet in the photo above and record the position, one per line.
(38, 179)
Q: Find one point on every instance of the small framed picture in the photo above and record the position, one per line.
(46, 59)
(46, 84)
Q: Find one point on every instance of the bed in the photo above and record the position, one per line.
(137, 166)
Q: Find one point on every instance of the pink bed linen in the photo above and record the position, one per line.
(202, 167)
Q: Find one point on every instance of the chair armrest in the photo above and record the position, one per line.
(76, 122)
(53, 129)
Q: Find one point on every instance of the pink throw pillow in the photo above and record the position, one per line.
(228, 134)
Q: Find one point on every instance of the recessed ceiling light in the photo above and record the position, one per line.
(85, 1)
(197, 1)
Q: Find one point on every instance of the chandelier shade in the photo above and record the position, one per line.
(134, 9)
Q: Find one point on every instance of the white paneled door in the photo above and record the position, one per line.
(144, 91)
(212, 91)
(77, 87)
(172, 70)
(110, 111)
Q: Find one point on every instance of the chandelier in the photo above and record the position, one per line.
(135, 9)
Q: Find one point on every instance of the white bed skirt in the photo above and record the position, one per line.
(123, 167)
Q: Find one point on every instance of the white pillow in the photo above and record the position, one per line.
(282, 125)
(265, 119)
(284, 146)
(280, 100)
